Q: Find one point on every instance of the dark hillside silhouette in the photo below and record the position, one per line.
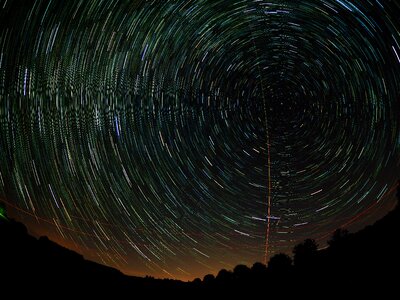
(359, 262)
(30, 266)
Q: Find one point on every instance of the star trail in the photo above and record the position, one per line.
(176, 138)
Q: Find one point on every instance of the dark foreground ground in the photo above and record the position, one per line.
(362, 263)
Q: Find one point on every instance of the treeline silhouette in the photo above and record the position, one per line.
(38, 266)
(359, 262)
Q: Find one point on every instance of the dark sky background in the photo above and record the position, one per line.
(176, 138)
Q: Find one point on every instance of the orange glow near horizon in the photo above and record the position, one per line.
(38, 226)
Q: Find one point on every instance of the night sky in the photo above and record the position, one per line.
(176, 138)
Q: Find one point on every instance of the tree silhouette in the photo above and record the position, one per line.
(338, 237)
(209, 279)
(280, 263)
(224, 276)
(197, 281)
(259, 269)
(241, 272)
(305, 253)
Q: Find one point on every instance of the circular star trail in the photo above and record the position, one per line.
(176, 138)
